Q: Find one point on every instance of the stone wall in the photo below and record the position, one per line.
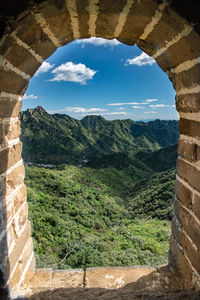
(30, 31)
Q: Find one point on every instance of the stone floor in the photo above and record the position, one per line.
(160, 284)
(103, 294)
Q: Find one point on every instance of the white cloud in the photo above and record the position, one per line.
(78, 110)
(115, 113)
(45, 67)
(150, 112)
(142, 60)
(122, 103)
(28, 97)
(159, 105)
(73, 72)
(137, 107)
(98, 42)
(152, 100)
(126, 103)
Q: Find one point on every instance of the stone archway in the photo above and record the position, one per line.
(31, 31)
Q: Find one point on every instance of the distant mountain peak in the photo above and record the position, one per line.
(40, 109)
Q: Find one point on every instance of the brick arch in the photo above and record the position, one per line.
(31, 33)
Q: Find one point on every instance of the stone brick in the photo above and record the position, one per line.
(83, 18)
(188, 222)
(2, 134)
(186, 79)
(187, 172)
(188, 103)
(186, 270)
(3, 253)
(189, 127)
(196, 206)
(67, 278)
(10, 181)
(139, 16)
(168, 27)
(21, 242)
(117, 277)
(11, 82)
(10, 156)
(108, 15)
(57, 17)
(12, 130)
(192, 253)
(177, 231)
(187, 150)
(22, 261)
(30, 273)
(17, 200)
(41, 278)
(24, 60)
(9, 107)
(2, 219)
(183, 194)
(31, 33)
(185, 49)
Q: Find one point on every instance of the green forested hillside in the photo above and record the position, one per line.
(93, 218)
(58, 139)
(108, 200)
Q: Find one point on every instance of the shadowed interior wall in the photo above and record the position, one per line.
(30, 31)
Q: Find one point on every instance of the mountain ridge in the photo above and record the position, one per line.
(59, 138)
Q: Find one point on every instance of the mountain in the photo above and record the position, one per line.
(113, 205)
(59, 138)
(161, 160)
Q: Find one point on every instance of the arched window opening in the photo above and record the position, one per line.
(100, 133)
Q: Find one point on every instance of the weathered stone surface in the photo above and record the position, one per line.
(11, 82)
(168, 27)
(10, 181)
(21, 262)
(12, 130)
(24, 61)
(119, 294)
(188, 103)
(183, 194)
(192, 253)
(188, 127)
(69, 278)
(187, 150)
(83, 17)
(112, 278)
(10, 156)
(188, 222)
(177, 231)
(186, 79)
(185, 49)
(139, 16)
(13, 205)
(9, 107)
(108, 14)
(187, 172)
(2, 135)
(57, 17)
(47, 278)
(196, 206)
(21, 242)
(31, 33)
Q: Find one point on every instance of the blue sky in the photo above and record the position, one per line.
(102, 77)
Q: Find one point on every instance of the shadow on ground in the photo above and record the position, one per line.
(160, 284)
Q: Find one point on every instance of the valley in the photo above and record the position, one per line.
(108, 199)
